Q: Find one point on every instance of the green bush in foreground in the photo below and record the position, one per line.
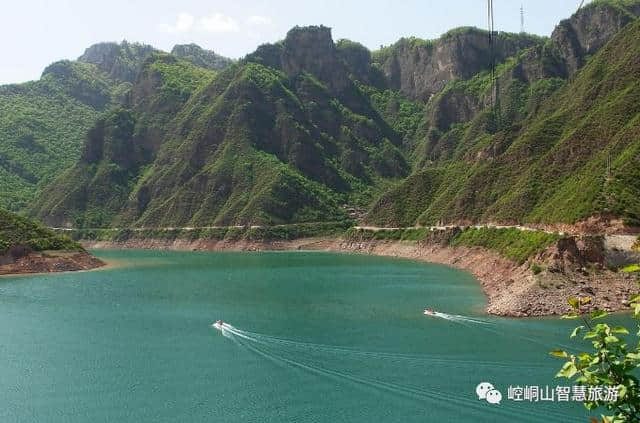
(612, 363)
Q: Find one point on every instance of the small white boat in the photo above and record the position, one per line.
(430, 312)
(219, 324)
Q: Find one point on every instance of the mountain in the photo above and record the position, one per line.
(548, 150)
(311, 130)
(43, 123)
(120, 61)
(200, 57)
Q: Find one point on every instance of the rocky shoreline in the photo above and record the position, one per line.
(26, 262)
(512, 290)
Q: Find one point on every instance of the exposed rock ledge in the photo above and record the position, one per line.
(571, 269)
(20, 261)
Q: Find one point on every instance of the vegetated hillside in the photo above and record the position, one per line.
(255, 144)
(308, 130)
(293, 133)
(18, 231)
(542, 153)
(43, 123)
(200, 57)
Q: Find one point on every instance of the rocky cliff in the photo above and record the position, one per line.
(591, 28)
(120, 61)
(420, 68)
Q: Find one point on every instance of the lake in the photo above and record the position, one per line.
(315, 337)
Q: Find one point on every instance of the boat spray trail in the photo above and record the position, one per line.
(314, 358)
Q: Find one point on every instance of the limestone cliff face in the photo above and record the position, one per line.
(306, 49)
(420, 69)
(453, 106)
(572, 42)
(590, 29)
(120, 61)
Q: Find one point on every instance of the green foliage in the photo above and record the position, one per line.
(515, 244)
(625, 6)
(411, 43)
(633, 268)
(406, 117)
(43, 125)
(613, 362)
(536, 268)
(179, 79)
(404, 234)
(18, 231)
(200, 57)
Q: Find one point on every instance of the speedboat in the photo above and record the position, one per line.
(429, 312)
(219, 324)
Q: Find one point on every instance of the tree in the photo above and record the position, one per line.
(611, 363)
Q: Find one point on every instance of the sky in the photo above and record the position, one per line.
(36, 33)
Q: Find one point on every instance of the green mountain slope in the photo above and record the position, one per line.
(253, 145)
(200, 57)
(308, 130)
(536, 161)
(43, 124)
(18, 231)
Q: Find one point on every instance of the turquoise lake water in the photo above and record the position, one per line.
(318, 338)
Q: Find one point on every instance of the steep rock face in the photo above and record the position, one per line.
(306, 49)
(120, 61)
(420, 68)
(312, 50)
(452, 106)
(590, 29)
(200, 57)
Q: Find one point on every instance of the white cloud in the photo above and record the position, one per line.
(184, 23)
(259, 20)
(218, 23)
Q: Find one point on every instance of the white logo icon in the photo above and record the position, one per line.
(488, 392)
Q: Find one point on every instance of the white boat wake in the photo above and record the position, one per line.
(314, 358)
(455, 317)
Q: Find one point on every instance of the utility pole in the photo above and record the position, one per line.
(492, 63)
(522, 19)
